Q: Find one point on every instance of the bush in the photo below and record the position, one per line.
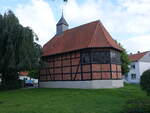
(137, 106)
(10, 81)
(19, 85)
(145, 82)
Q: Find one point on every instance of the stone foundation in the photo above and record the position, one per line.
(92, 84)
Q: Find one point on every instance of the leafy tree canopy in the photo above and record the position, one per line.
(18, 51)
(125, 62)
(145, 82)
(33, 74)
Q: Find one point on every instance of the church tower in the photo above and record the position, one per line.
(61, 26)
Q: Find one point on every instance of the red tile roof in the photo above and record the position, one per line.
(85, 36)
(137, 56)
(23, 73)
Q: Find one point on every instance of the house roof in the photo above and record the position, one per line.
(23, 73)
(85, 36)
(137, 56)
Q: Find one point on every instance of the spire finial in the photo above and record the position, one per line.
(62, 9)
(62, 12)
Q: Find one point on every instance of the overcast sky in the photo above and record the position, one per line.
(128, 21)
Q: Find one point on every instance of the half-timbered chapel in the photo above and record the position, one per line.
(82, 57)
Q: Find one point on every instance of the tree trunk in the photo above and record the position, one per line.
(10, 80)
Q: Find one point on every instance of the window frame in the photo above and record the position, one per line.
(133, 76)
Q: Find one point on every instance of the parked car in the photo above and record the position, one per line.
(29, 83)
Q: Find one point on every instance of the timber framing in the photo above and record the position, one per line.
(79, 66)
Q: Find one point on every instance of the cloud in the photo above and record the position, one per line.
(138, 15)
(129, 14)
(135, 44)
(39, 16)
(80, 14)
(126, 19)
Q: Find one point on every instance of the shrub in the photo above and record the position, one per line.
(145, 82)
(137, 106)
(17, 85)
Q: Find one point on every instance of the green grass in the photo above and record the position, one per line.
(67, 100)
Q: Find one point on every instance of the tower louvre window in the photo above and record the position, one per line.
(62, 26)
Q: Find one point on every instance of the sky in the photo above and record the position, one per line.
(128, 21)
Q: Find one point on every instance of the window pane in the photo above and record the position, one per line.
(85, 58)
(133, 76)
(100, 57)
(115, 57)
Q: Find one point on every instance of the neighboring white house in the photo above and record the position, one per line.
(140, 62)
(24, 76)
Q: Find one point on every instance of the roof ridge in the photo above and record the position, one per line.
(144, 54)
(107, 34)
(93, 33)
(88, 35)
(81, 25)
(139, 53)
(137, 56)
(104, 33)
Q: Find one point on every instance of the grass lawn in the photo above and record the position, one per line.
(67, 100)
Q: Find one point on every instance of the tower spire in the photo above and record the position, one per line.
(62, 25)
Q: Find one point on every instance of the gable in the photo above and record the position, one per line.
(146, 57)
(136, 57)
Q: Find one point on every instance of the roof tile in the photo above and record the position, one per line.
(137, 56)
(85, 36)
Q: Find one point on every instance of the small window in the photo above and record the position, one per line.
(100, 57)
(133, 76)
(133, 66)
(85, 58)
(96, 58)
(115, 57)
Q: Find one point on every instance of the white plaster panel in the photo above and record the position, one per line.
(94, 84)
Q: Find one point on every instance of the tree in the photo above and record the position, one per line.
(33, 73)
(18, 51)
(124, 62)
(145, 82)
